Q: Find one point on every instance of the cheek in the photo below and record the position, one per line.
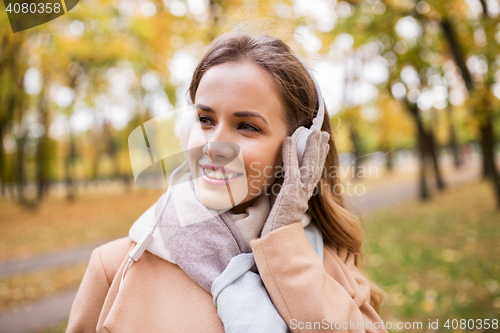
(195, 145)
(278, 159)
(196, 137)
(263, 164)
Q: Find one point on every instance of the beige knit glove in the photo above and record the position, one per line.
(299, 183)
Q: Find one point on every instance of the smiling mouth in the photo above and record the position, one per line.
(219, 175)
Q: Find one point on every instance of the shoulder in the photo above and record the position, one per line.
(121, 245)
(111, 255)
(334, 253)
(341, 252)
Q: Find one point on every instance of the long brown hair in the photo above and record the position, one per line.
(298, 93)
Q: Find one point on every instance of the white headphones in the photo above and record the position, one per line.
(300, 135)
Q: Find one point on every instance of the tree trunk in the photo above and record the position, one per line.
(456, 52)
(431, 151)
(390, 161)
(3, 175)
(487, 141)
(453, 140)
(95, 166)
(488, 147)
(19, 169)
(41, 151)
(357, 155)
(11, 67)
(424, 190)
(488, 170)
(41, 163)
(68, 169)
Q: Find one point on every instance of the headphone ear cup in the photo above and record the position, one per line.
(300, 136)
(185, 127)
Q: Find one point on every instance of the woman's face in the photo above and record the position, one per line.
(240, 120)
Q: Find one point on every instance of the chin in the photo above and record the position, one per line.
(219, 197)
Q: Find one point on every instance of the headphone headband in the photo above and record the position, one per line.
(318, 120)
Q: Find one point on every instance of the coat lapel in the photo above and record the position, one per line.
(157, 296)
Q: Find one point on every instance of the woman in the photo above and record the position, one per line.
(250, 95)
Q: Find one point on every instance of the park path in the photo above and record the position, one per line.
(55, 309)
(386, 196)
(52, 259)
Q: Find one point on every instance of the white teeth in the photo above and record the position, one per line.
(218, 174)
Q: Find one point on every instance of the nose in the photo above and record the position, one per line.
(220, 146)
(221, 151)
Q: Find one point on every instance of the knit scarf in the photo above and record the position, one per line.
(184, 208)
(238, 288)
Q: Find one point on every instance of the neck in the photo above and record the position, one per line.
(241, 208)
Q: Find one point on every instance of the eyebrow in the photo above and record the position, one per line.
(236, 114)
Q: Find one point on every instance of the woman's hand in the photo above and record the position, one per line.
(299, 183)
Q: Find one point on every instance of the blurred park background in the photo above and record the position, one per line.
(412, 88)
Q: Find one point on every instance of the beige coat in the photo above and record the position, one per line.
(157, 296)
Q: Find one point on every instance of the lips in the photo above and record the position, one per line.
(214, 175)
(215, 168)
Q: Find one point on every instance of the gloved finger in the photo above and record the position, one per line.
(290, 161)
(324, 148)
(311, 156)
(325, 137)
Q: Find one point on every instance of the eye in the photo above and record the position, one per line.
(249, 127)
(205, 121)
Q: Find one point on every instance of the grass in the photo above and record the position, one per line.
(439, 259)
(59, 224)
(436, 260)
